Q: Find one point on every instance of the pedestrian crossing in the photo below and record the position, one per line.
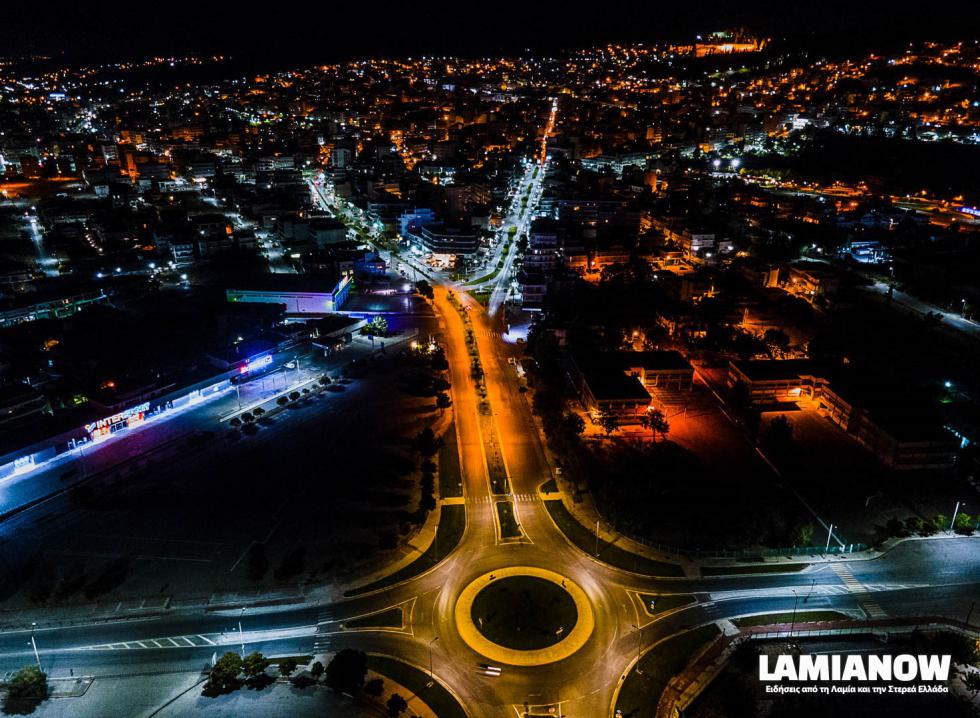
(485, 499)
(188, 641)
(860, 592)
(321, 644)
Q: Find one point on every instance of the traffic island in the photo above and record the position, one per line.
(524, 616)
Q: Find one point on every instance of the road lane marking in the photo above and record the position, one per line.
(860, 592)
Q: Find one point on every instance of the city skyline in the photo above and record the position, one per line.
(531, 362)
(329, 34)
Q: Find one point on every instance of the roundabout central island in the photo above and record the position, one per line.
(524, 616)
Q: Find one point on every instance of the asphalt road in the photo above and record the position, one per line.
(922, 577)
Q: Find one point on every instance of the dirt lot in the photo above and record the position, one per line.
(846, 484)
(310, 494)
(705, 487)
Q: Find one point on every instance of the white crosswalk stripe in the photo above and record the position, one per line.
(525, 498)
(189, 641)
(860, 591)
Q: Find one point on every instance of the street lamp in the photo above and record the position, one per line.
(37, 656)
(796, 601)
(431, 679)
(241, 636)
(639, 647)
(952, 523)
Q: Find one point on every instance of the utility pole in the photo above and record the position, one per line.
(955, 511)
(37, 656)
(830, 533)
(597, 537)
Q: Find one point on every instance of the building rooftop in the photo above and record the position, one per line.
(773, 369)
(324, 283)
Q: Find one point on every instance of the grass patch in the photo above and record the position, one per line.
(441, 701)
(767, 619)
(498, 482)
(641, 692)
(484, 278)
(452, 522)
(450, 477)
(608, 553)
(759, 568)
(525, 613)
(508, 521)
(662, 604)
(300, 660)
(391, 618)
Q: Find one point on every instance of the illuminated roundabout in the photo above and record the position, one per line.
(524, 616)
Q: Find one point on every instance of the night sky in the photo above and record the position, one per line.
(331, 30)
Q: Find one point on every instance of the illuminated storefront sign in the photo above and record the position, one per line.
(259, 363)
(129, 417)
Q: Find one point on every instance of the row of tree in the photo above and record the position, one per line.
(345, 673)
(653, 420)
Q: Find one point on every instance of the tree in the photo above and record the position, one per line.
(258, 411)
(378, 326)
(258, 563)
(963, 523)
(915, 525)
(248, 418)
(426, 442)
(236, 422)
(971, 679)
(608, 422)
(224, 675)
(254, 665)
(374, 687)
(778, 436)
(317, 670)
(939, 522)
(425, 289)
(439, 361)
(804, 535)
(324, 380)
(346, 671)
(777, 341)
(573, 423)
(287, 666)
(294, 395)
(655, 421)
(282, 401)
(442, 401)
(25, 691)
(396, 705)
